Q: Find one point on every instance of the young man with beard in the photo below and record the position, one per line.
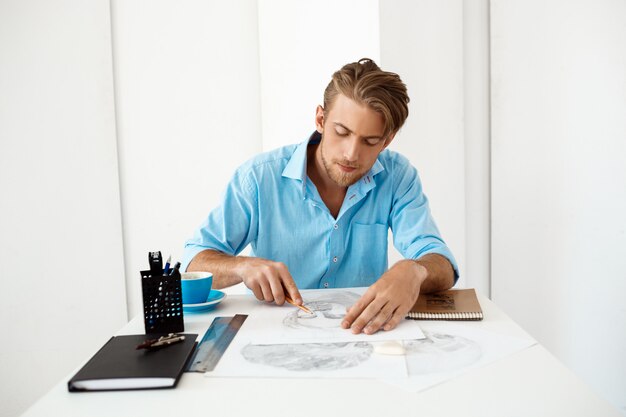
(317, 214)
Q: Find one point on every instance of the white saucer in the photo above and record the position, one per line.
(215, 297)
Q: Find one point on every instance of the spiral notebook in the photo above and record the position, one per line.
(447, 305)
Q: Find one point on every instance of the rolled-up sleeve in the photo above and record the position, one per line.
(415, 233)
(231, 226)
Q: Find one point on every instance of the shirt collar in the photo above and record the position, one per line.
(367, 181)
(375, 169)
(296, 167)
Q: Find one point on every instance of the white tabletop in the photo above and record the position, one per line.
(528, 383)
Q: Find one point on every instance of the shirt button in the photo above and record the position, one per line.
(326, 285)
(336, 226)
(335, 259)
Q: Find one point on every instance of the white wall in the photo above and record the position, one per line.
(60, 226)
(476, 125)
(423, 42)
(301, 45)
(187, 97)
(559, 180)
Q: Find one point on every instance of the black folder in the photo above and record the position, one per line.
(119, 365)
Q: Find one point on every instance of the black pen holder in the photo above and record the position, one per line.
(162, 303)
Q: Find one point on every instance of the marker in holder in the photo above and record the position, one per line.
(162, 302)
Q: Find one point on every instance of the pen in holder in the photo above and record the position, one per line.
(162, 302)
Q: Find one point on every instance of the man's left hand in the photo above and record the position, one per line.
(388, 300)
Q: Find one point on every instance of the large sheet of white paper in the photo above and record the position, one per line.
(287, 342)
(307, 360)
(451, 349)
(448, 350)
(270, 324)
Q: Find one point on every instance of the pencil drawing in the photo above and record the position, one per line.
(328, 310)
(309, 356)
(440, 352)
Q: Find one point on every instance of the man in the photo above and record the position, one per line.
(317, 214)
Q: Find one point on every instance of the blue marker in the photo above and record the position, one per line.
(167, 265)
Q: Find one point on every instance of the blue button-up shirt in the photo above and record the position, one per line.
(271, 204)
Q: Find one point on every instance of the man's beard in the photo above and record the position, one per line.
(343, 179)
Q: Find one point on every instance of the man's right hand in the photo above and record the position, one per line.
(268, 280)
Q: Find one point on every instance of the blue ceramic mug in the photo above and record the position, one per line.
(196, 286)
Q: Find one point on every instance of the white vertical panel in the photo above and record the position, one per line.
(477, 144)
(301, 44)
(559, 182)
(61, 255)
(187, 84)
(423, 42)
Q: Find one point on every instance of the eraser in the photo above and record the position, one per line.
(390, 347)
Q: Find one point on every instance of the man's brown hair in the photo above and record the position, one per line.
(365, 83)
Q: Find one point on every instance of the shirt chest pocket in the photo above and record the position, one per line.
(367, 251)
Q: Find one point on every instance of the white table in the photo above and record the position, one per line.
(528, 383)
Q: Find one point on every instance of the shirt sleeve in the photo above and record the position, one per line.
(231, 226)
(414, 230)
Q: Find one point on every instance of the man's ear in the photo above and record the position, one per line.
(319, 119)
(389, 139)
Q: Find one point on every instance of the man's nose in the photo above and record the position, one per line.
(351, 150)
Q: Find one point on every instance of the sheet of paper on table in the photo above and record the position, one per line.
(307, 360)
(287, 342)
(451, 349)
(270, 324)
(448, 350)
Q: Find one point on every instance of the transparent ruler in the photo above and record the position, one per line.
(215, 342)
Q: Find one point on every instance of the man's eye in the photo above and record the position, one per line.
(341, 133)
(372, 141)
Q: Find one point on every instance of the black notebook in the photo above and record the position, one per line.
(119, 365)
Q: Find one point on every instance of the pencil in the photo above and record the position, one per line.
(303, 308)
